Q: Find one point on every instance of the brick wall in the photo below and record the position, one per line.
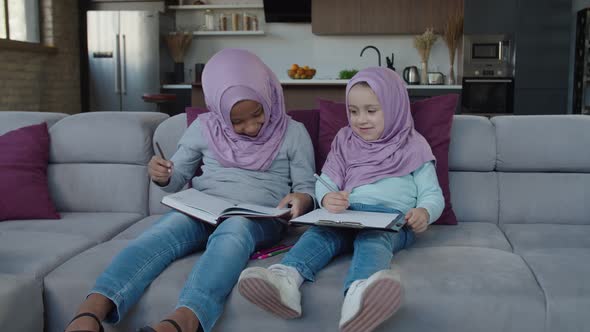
(46, 82)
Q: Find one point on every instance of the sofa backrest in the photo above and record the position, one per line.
(98, 161)
(543, 167)
(509, 169)
(14, 120)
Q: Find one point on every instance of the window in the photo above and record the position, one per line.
(19, 20)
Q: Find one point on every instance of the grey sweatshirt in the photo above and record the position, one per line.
(291, 171)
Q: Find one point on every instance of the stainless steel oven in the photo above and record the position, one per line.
(488, 95)
(488, 74)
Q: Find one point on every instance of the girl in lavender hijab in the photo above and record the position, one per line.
(251, 152)
(379, 163)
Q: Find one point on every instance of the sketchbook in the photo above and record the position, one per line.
(213, 209)
(353, 219)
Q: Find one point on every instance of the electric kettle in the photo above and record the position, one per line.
(411, 75)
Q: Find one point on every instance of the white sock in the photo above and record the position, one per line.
(291, 273)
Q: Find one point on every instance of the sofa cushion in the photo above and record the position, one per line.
(24, 193)
(473, 145)
(37, 253)
(465, 234)
(95, 226)
(21, 303)
(557, 143)
(105, 137)
(475, 196)
(433, 118)
(563, 275)
(529, 237)
(90, 187)
(480, 289)
(77, 276)
(13, 120)
(544, 198)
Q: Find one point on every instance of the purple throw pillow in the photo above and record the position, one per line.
(192, 113)
(24, 193)
(433, 118)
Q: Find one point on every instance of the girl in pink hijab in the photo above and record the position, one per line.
(378, 163)
(252, 152)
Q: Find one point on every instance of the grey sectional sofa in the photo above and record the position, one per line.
(517, 261)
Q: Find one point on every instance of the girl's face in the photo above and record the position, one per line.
(366, 116)
(247, 117)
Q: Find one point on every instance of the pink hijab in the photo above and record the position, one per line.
(230, 76)
(400, 150)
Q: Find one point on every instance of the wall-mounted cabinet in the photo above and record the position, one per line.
(344, 17)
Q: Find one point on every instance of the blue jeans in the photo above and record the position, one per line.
(176, 235)
(373, 249)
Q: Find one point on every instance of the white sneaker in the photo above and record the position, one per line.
(369, 302)
(273, 290)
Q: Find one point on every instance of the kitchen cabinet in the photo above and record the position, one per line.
(490, 16)
(540, 101)
(542, 56)
(335, 17)
(381, 16)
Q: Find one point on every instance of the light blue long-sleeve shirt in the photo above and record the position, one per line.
(417, 189)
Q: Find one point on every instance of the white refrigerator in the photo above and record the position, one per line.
(124, 59)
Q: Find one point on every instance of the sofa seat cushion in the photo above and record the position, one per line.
(446, 289)
(481, 290)
(95, 226)
(564, 275)
(21, 303)
(77, 276)
(527, 237)
(37, 253)
(465, 234)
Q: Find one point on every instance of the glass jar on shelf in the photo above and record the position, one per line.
(209, 20)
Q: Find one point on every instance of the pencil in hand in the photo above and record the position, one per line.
(160, 151)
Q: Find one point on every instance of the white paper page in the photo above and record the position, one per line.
(200, 214)
(201, 201)
(252, 209)
(367, 219)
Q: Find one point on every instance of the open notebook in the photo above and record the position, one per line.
(353, 219)
(213, 209)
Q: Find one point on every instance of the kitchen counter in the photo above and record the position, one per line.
(304, 94)
(322, 82)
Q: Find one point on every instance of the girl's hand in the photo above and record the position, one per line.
(160, 170)
(418, 219)
(336, 202)
(300, 204)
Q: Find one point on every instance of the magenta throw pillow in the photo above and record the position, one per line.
(192, 113)
(24, 193)
(433, 118)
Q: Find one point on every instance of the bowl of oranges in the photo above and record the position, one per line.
(301, 73)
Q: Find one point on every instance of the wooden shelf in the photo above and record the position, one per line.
(205, 7)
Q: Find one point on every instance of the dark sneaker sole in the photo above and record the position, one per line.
(380, 301)
(266, 296)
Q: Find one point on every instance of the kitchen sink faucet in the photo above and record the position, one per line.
(376, 50)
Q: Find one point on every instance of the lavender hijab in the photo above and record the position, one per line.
(400, 150)
(230, 76)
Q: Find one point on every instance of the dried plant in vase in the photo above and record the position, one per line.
(423, 43)
(452, 36)
(178, 43)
